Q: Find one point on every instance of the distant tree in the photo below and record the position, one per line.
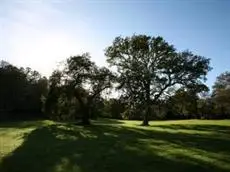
(12, 88)
(20, 92)
(148, 67)
(51, 100)
(221, 93)
(184, 103)
(206, 106)
(222, 81)
(114, 108)
(82, 82)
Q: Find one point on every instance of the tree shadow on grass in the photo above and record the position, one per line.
(39, 123)
(22, 124)
(209, 143)
(217, 139)
(218, 129)
(216, 135)
(103, 148)
(107, 121)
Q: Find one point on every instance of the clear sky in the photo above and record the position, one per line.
(41, 33)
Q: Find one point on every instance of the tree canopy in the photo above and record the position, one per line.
(148, 67)
(21, 90)
(153, 79)
(82, 80)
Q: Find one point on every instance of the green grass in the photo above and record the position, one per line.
(117, 146)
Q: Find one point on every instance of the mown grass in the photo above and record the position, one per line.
(113, 145)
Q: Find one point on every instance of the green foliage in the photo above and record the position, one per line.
(148, 67)
(221, 94)
(20, 92)
(153, 79)
(113, 108)
(184, 104)
(80, 84)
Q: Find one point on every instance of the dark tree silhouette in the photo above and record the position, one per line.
(147, 67)
(81, 80)
(20, 92)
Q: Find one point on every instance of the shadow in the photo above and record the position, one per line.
(39, 123)
(23, 124)
(107, 121)
(103, 148)
(215, 129)
(209, 143)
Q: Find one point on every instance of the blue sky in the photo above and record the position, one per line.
(41, 33)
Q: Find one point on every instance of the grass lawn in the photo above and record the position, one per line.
(117, 146)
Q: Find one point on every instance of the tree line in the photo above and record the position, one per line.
(21, 92)
(153, 81)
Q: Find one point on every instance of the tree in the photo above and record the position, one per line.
(206, 106)
(221, 93)
(148, 67)
(184, 103)
(50, 101)
(86, 82)
(21, 91)
(12, 89)
(222, 81)
(113, 108)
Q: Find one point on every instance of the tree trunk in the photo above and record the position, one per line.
(85, 116)
(148, 103)
(85, 111)
(196, 109)
(146, 119)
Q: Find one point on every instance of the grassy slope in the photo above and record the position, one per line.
(111, 145)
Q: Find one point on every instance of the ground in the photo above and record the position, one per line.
(112, 145)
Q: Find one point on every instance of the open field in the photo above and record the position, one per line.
(117, 146)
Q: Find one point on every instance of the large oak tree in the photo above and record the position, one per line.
(147, 67)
